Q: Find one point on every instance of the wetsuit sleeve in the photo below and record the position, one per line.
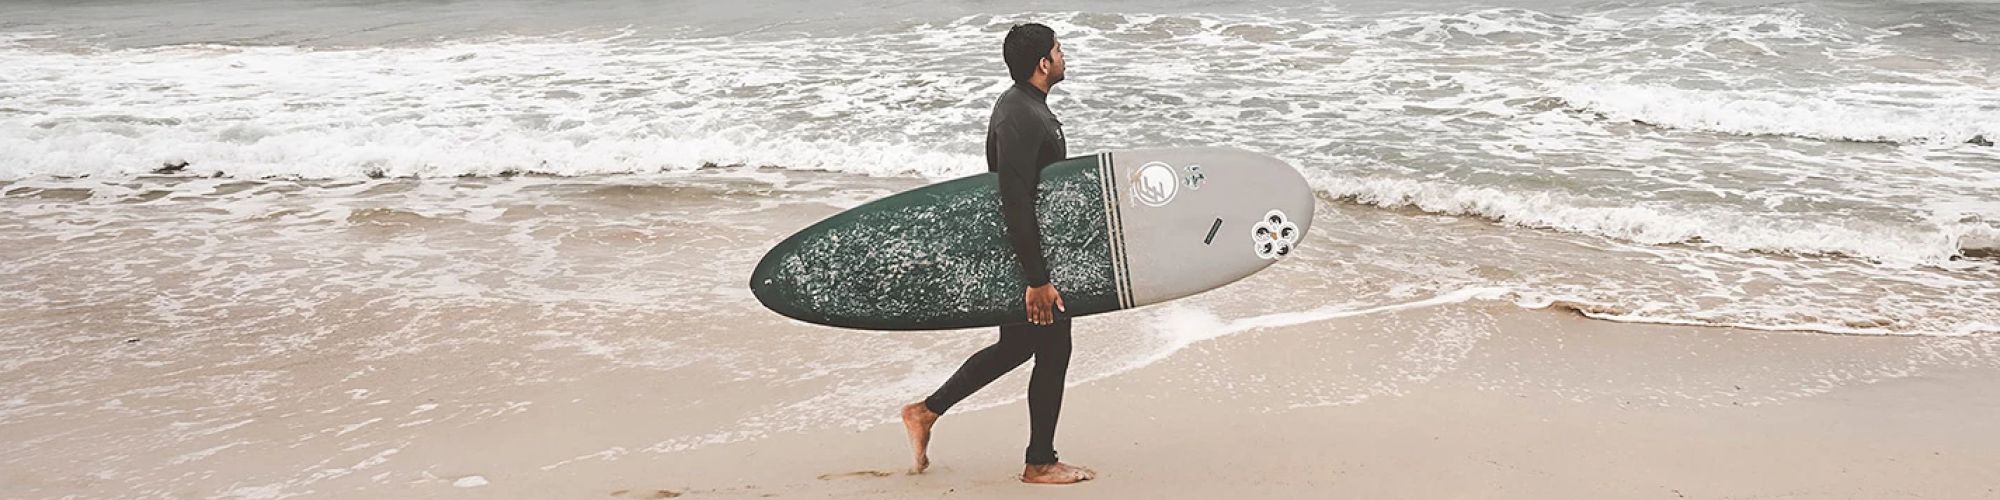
(1014, 152)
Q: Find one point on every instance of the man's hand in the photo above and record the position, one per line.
(1039, 300)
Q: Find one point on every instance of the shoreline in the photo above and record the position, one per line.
(533, 338)
(1477, 399)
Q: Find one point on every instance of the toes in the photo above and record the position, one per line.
(1082, 473)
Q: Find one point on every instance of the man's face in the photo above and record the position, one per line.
(1055, 64)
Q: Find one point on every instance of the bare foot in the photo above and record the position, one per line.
(918, 419)
(1056, 473)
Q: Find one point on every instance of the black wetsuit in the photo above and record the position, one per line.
(1021, 138)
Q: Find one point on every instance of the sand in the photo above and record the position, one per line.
(550, 339)
(1549, 405)
(1543, 404)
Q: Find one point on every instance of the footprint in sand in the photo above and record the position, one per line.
(645, 493)
(855, 474)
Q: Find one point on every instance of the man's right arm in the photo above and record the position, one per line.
(1014, 154)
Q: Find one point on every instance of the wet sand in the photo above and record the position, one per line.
(589, 338)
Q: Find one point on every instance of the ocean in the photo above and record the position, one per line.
(204, 197)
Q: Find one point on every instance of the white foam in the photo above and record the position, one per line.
(563, 107)
(1656, 224)
(1831, 114)
(1190, 325)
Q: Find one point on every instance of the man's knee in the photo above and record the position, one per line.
(1015, 345)
(1054, 346)
(1053, 353)
(1011, 351)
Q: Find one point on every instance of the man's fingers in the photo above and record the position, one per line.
(1042, 307)
(1028, 299)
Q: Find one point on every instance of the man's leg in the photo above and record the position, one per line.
(1014, 348)
(1045, 388)
(1045, 393)
(982, 368)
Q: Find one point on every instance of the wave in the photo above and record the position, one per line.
(403, 151)
(495, 107)
(624, 104)
(1835, 116)
(1665, 224)
(1875, 327)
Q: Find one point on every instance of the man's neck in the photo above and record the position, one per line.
(1041, 84)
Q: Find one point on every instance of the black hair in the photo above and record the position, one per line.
(1025, 47)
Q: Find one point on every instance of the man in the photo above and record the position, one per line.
(1022, 137)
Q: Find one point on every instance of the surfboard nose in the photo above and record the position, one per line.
(771, 287)
(761, 281)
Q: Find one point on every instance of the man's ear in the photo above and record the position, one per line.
(1042, 67)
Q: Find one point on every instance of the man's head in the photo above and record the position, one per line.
(1033, 55)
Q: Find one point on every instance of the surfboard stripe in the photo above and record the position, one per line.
(1105, 190)
(1104, 205)
(1121, 272)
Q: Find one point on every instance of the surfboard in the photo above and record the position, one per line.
(1120, 230)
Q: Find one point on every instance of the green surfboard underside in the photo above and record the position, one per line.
(937, 257)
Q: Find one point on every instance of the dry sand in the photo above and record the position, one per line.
(1549, 405)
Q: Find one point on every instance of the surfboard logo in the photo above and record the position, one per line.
(1194, 177)
(1155, 184)
(1274, 236)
